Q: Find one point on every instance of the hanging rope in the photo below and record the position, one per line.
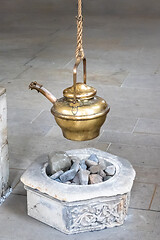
(79, 49)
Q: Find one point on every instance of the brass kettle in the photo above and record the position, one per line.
(80, 113)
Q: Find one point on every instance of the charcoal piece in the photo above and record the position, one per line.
(68, 182)
(95, 178)
(94, 158)
(56, 175)
(76, 180)
(96, 169)
(110, 170)
(68, 175)
(58, 180)
(104, 163)
(106, 178)
(58, 161)
(75, 159)
(83, 176)
(90, 163)
(102, 173)
(75, 166)
(83, 164)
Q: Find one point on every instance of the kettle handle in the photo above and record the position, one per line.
(75, 75)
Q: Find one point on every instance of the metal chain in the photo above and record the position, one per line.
(79, 48)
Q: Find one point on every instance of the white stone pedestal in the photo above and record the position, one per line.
(4, 161)
(79, 208)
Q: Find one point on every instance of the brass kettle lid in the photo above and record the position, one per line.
(83, 91)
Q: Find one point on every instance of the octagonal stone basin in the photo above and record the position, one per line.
(79, 208)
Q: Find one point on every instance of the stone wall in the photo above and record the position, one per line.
(4, 161)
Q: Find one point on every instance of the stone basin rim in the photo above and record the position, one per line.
(35, 177)
(78, 185)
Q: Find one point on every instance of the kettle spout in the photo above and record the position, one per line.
(45, 92)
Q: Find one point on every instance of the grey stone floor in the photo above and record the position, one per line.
(123, 63)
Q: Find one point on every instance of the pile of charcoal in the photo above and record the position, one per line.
(78, 171)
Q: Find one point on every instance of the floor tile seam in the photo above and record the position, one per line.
(133, 88)
(25, 70)
(61, 30)
(19, 169)
(125, 79)
(153, 195)
(131, 145)
(35, 55)
(148, 183)
(146, 75)
(133, 74)
(121, 117)
(97, 141)
(138, 88)
(147, 133)
(143, 209)
(138, 119)
(52, 34)
(31, 59)
(45, 44)
(27, 107)
(21, 155)
(48, 134)
(15, 184)
(12, 80)
(117, 131)
(29, 164)
(108, 147)
(36, 116)
(64, 67)
(51, 38)
(18, 123)
(19, 194)
(144, 118)
(146, 167)
(142, 88)
(39, 51)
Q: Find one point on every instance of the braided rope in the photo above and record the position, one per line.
(79, 49)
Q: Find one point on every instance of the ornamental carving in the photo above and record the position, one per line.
(99, 214)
